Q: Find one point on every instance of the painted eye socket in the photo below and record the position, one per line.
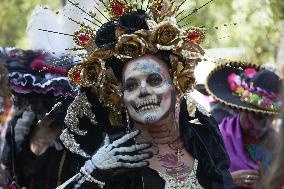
(131, 84)
(154, 79)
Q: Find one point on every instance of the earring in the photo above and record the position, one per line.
(128, 121)
(176, 114)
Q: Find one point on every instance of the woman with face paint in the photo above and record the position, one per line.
(150, 98)
(249, 136)
(134, 88)
(163, 149)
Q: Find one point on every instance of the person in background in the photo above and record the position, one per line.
(32, 154)
(249, 136)
(5, 102)
(5, 113)
(274, 178)
(217, 110)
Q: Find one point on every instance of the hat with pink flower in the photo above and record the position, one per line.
(31, 71)
(245, 87)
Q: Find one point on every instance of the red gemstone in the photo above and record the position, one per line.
(117, 8)
(84, 39)
(193, 37)
(76, 76)
(159, 7)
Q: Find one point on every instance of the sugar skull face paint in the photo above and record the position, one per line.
(148, 89)
(255, 125)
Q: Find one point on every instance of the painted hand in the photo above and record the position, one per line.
(116, 155)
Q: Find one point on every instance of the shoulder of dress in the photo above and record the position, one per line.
(193, 106)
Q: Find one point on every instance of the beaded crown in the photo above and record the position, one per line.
(130, 32)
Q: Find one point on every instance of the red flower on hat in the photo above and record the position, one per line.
(234, 81)
(250, 72)
(41, 66)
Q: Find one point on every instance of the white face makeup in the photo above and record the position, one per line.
(148, 89)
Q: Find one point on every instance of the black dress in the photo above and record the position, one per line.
(46, 171)
(202, 140)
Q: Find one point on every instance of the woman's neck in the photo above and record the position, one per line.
(161, 132)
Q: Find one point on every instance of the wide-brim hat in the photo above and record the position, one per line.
(35, 72)
(256, 88)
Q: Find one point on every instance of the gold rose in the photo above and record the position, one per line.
(130, 46)
(184, 78)
(166, 36)
(91, 72)
(112, 91)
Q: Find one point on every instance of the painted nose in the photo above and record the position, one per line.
(143, 92)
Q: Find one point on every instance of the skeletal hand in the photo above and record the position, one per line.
(114, 155)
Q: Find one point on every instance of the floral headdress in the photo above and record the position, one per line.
(130, 33)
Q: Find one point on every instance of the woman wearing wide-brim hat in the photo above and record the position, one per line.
(248, 135)
(32, 155)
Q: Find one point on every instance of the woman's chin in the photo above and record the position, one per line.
(147, 116)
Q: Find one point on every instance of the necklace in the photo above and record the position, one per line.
(178, 146)
(174, 183)
(191, 182)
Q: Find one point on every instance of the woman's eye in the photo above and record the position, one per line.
(130, 84)
(154, 79)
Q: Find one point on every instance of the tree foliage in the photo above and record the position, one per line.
(252, 24)
(14, 15)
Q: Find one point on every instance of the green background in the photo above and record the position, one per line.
(256, 25)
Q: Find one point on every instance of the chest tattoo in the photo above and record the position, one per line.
(174, 166)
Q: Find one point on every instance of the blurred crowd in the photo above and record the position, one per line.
(34, 102)
(245, 101)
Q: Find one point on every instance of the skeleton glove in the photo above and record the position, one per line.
(115, 155)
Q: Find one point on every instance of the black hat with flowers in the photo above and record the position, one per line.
(35, 72)
(245, 87)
